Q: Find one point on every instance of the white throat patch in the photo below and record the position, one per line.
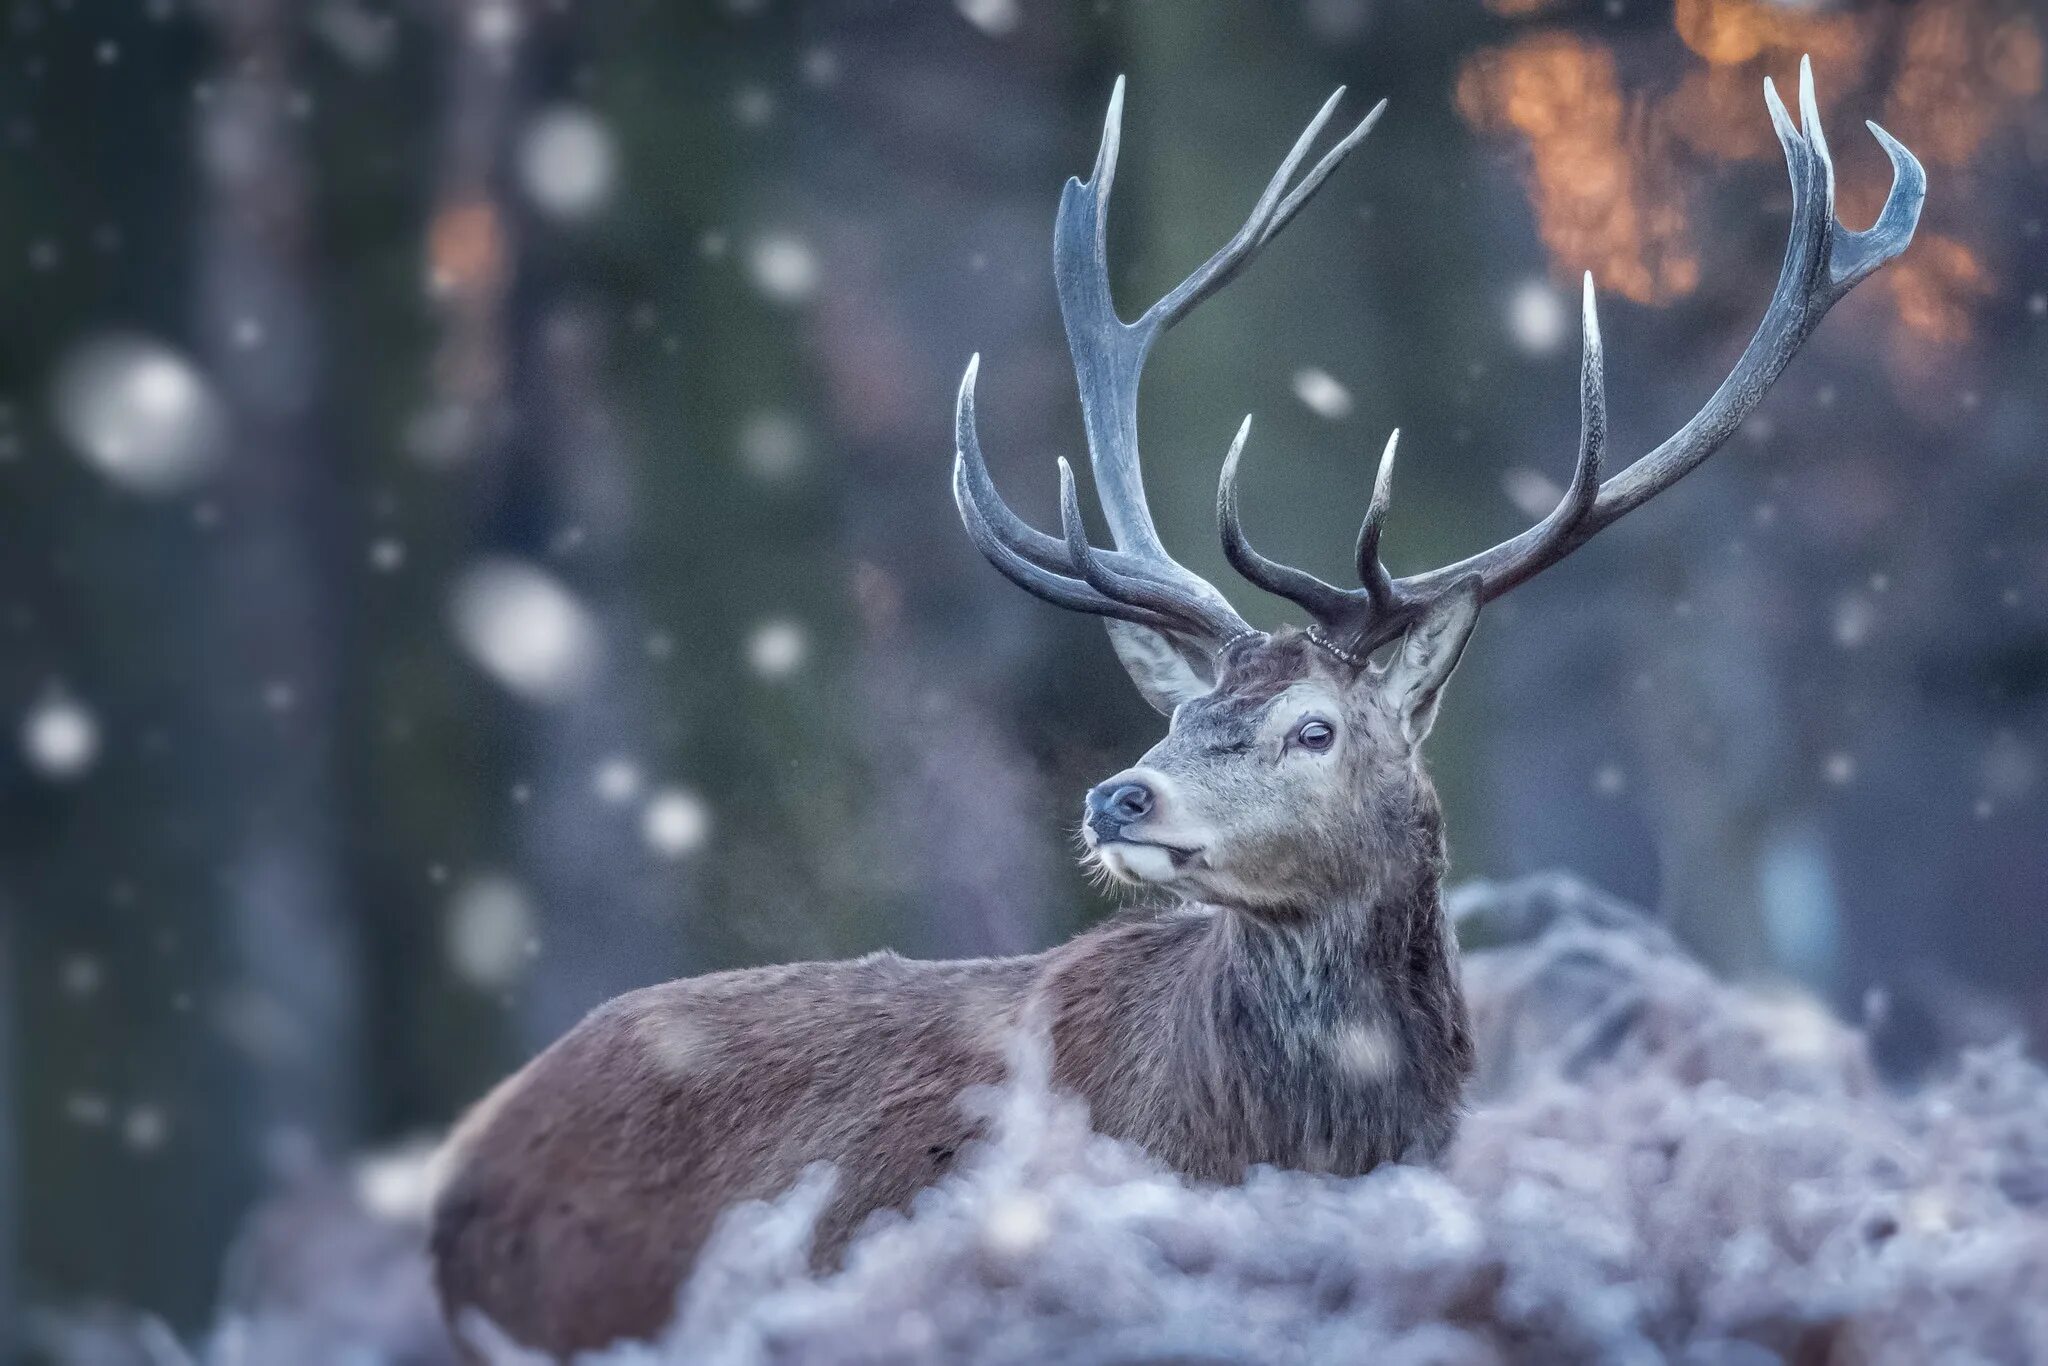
(1139, 862)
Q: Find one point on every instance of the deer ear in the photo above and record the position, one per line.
(1167, 670)
(1415, 678)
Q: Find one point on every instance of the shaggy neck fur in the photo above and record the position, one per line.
(1332, 1039)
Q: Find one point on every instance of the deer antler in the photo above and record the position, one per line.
(1138, 581)
(1823, 261)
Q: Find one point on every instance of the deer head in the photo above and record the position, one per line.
(1290, 774)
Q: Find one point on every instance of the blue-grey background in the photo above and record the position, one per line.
(475, 537)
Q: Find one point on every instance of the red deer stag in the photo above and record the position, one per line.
(1295, 999)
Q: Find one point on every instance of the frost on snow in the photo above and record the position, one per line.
(1656, 1166)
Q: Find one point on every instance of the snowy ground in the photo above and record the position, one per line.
(1657, 1167)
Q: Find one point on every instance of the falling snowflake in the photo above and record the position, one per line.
(776, 649)
(821, 66)
(771, 445)
(525, 629)
(676, 823)
(81, 976)
(495, 24)
(783, 267)
(1855, 618)
(1536, 317)
(145, 1129)
(617, 780)
(2009, 768)
(996, 18)
(1322, 394)
(88, 1109)
(568, 162)
(489, 931)
(1533, 492)
(60, 738)
(139, 413)
(753, 106)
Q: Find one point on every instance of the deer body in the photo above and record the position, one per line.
(1293, 1001)
(1329, 1037)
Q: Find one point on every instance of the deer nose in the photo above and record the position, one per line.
(1118, 803)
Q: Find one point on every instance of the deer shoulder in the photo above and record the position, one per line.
(577, 1194)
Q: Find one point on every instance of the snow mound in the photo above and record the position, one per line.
(1657, 1167)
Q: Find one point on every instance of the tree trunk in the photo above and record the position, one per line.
(278, 614)
(526, 418)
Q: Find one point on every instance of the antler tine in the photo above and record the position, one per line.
(1371, 572)
(971, 474)
(1109, 356)
(1049, 566)
(1272, 213)
(1018, 535)
(1560, 532)
(1823, 261)
(1138, 581)
(1041, 582)
(1139, 590)
(1296, 585)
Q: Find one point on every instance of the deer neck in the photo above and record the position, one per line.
(1332, 1039)
(1299, 978)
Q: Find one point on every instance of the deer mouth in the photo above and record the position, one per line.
(1130, 860)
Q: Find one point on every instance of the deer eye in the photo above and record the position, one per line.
(1314, 734)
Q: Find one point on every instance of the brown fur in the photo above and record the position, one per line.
(1320, 1028)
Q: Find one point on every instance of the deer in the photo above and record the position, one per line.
(1289, 997)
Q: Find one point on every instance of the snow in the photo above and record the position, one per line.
(771, 445)
(617, 780)
(524, 629)
(1322, 394)
(783, 266)
(776, 649)
(996, 18)
(1536, 318)
(568, 162)
(1657, 1166)
(1534, 493)
(60, 738)
(676, 822)
(490, 931)
(139, 413)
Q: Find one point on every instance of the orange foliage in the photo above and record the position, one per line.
(466, 249)
(1606, 180)
(1963, 73)
(1732, 32)
(1936, 286)
(1603, 195)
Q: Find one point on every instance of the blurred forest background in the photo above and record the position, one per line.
(475, 532)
